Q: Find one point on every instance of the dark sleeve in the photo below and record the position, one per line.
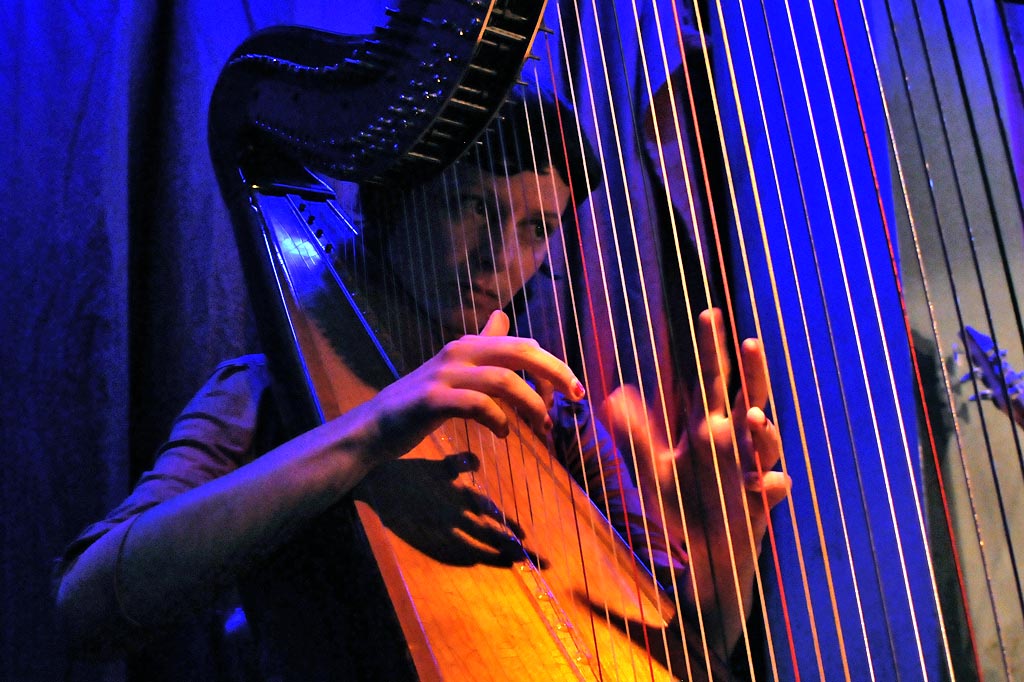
(588, 451)
(214, 435)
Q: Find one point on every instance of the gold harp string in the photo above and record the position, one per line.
(712, 216)
(549, 130)
(861, 355)
(622, 484)
(771, 261)
(941, 238)
(667, 189)
(798, 419)
(770, 144)
(497, 225)
(896, 402)
(601, 155)
(587, 285)
(574, 136)
(644, 71)
(929, 428)
(609, 654)
(814, 372)
(628, 199)
(492, 221)
(702, 260)
(817, 33)
(663, 403)
(455, 211)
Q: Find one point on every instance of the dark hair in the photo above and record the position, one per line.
(533, 131)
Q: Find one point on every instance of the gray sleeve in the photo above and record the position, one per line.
(213, 435)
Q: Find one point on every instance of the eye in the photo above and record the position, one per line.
(474, 205)
(537, 231)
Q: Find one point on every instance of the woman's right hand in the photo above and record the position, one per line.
(475, 377)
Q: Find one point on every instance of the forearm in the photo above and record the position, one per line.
(145, 572)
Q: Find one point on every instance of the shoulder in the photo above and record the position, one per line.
(251, 368)
(229, 406)
(239, 380)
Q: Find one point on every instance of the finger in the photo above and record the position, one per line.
(765, 438)
(755, 373)
(629, 422)
(497, 325)
(773, 485)
(508, 388)
(465, 403)
(460, 463)
(633, 428)
(504, 549)
(546, 390)
(714, 361)
(517, 354)
(484, 506)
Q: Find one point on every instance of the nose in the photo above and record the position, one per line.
(494, 251)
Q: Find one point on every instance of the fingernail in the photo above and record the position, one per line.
(577, 390)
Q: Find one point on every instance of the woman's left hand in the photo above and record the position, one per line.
(714, 488)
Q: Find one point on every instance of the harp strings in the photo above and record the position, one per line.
(546, 134)
(986, 175)
(746, 270)
(586, 70)
(1004, 258)
(702, 259)
(712, 216)
(804, 329)
(929, 427)
(557, 130)
(620, 261)
(596, 293)
(906, 449)
(800, 302)
(897, 155)
(776, 297)
(805, 326)
(588, 86)
(896, 403)
(960, 285)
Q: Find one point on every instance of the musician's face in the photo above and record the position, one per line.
(484, 236)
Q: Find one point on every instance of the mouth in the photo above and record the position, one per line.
(478, 296)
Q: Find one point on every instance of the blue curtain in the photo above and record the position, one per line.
(121, 286)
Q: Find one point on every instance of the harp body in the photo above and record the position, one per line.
(840, 228)
(461, 616)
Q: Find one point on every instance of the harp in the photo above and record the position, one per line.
(840, 178)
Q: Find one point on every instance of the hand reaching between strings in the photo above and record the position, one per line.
(714, 488)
